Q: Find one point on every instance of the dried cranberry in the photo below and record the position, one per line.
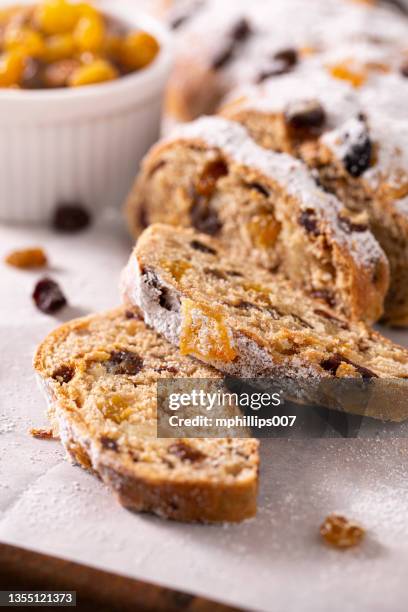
(307, 219)
(185, 452)
(124, 362)
(70, 218)
(204, 248)
(305, 115)
(48, 296)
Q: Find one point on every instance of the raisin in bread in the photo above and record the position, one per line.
(355, 140)
(100, 376)
(220, 45)
(249, 323)
(263, 206)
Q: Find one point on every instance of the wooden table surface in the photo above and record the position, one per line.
(21, 569)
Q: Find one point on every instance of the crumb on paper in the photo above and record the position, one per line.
(42, 434)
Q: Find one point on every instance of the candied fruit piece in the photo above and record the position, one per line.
(59, 47)
(89, 34)
(57, 16)
(41, 434)
(263, 230)
(340, 532)
(345, 71)
(27, 258)
(48, 296)
(98, 71)
(26, 40)
(204, 334)
(12, 66)
(138, 50)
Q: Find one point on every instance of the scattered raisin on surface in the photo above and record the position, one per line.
(64, 374)
(358, 158)
(27, 258)
(109, 443)
(340, 532)
(185, 452)
(197, 245)
(307, 219)
(70, 218)
(41, 434)
(305, 116)
(124, 362)
(48, 296)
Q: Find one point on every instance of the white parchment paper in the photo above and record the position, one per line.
(274, 562)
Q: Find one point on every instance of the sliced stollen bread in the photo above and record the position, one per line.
(99, 374)
(265, 207)
(354, 139)
(246, 322)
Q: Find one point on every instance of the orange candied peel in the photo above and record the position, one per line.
(27, 258)
(345, 71)
(341, 532)
(204, 334)
(177, 268)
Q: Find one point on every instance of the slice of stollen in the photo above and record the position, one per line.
(99, 374)
(249, 323)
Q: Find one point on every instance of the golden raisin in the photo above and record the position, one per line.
(340, 532)
(89, 34)
(212, 172)
(59, 47)
(98, 71)
(263, 230)
(177, 268)
(138, 50)
(27, 41)
(115, 407)
(12, 66)
(204, 334)
(27, 258)
(57, 16)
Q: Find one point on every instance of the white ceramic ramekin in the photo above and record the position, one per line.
(80, 145)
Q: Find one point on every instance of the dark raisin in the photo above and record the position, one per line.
(204, 248)
(132, 314)
(348, 225)
(307, 219)
(275, 313)
(70, 218)
(32, 75)
(325, 295)
(177, 22)
(331, 364)
(358, 158)
(233, 273)
(64, 374)
(259, 188)
(164, 297)
(169, 369)
(220, 274)
(109, 444)
(281, 63)
(48, 296)
(224, 56)
(185, 452)
(124, 362)
(142, 216)
(404, 69)
(244, 305)
(241, 30)
(212, 172)
(328, 315)
(306, 115)
(204, 218)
